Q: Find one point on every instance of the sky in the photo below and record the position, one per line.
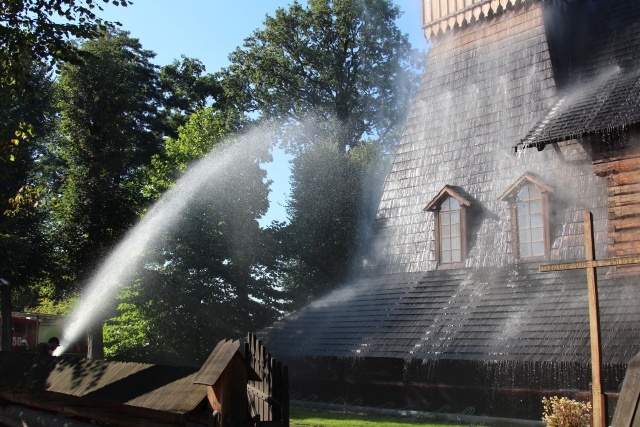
(209, 30)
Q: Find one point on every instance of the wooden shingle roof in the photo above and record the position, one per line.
(218, 361)
(513, 313)
(480, 95)
(169, 389)
(600, 70)
(610, 101)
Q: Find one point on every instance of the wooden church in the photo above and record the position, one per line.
(526, 116)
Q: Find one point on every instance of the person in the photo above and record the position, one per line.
(42, 349)
(53, 343)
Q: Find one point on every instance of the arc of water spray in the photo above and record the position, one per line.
(123, 260)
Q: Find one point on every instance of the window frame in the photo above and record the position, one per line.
(435, 206)
(511, 196)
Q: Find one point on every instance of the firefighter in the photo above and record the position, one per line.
(42, 349)
(53, 343)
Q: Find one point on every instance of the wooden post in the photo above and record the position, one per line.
(270, 396)
(226, 373)
(599, 409)
(590, 265)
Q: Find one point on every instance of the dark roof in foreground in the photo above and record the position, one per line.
(157, 387)
(219, 360)
(216, 363)
(511, 313)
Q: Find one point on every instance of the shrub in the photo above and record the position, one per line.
(563, 412)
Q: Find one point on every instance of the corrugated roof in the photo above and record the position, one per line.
(511, 313)
(157, 387)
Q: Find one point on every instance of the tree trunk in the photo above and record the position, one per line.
(5, 310)
(95, 342)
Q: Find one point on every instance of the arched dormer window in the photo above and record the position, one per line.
(528, 200)
(449, 209)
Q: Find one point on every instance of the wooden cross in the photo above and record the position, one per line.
(599, 418)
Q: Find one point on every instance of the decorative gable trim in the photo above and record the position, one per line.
(528, 177)
(447, 191)
(439, 16)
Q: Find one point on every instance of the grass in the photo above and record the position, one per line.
(308, 418)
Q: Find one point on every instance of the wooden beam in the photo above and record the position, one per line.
(590, 265)
(123, 415)
(20, 416)
(599, 410)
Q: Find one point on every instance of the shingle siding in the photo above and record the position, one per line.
(483, 88)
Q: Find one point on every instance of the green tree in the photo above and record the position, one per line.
(44, 32)
(333, 201)
(339, 75)
(109, 121)
(204, 129)
(343, 60)
(40, 33)
(186, 88)
(209, 276)
(21, 241)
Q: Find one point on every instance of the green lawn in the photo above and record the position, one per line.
(308, 418)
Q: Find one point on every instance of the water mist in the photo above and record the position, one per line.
(125, 259)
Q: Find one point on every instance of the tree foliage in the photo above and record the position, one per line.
(339, 75)
(208, 277)
(126, 131)
(186, 88)
(343, 60)
(333, 201)
(44, 32)
(24, 119)
(204, 129)
(109, 128)
(108, 131)
(21, 240)
(41, 33)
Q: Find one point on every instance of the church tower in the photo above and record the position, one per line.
(527, 115)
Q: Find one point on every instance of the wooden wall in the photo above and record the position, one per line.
(505, 389)
(269, 397)
(619, 162)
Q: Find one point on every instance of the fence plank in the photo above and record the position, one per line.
(269, 397)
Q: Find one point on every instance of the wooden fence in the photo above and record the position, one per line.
(268, 398)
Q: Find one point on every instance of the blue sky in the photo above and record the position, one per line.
(211, 29)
